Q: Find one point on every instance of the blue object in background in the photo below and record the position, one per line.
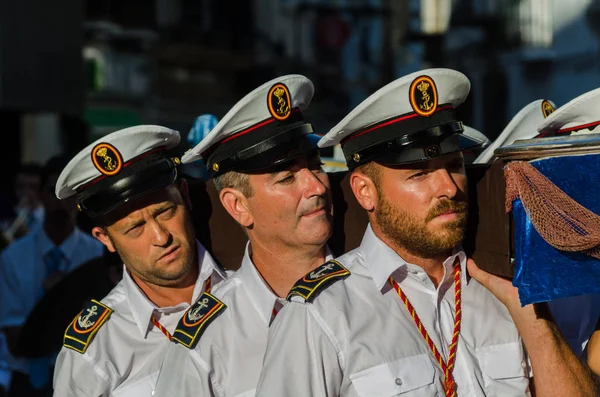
(202, 126)
(542, 272)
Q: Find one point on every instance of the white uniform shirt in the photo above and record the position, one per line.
(227, 360)
(357, 338)
(126, 354)
(22, 274)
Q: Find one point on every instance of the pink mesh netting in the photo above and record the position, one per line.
(560, 220)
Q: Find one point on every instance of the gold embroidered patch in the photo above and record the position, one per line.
(196, 319)
(547, 108)
(83, 328)
(279, 102)
(309, 286)
(107, 159)
(423, 96)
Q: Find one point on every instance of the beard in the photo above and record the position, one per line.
(411, 232)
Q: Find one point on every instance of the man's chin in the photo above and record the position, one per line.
(449, 240)
(173, 272)
(316, 238)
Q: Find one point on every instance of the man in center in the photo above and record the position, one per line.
(266, 167)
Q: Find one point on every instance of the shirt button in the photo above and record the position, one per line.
(399, 381)
(523, 364)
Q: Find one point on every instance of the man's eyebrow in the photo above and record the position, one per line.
(162, 207)
(132, 223)
(272, 175)
(276, 171)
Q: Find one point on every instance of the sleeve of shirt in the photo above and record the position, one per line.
(12, 312)
(75, 376)
(302, 356)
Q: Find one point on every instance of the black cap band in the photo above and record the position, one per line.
(136, 179)
(274, 151)
(407, 138)
(261, 146)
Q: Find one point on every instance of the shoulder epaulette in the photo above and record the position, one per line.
(196, 319)
(83, 328)
(309, 286)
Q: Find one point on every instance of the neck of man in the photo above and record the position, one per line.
(433, 266)
(282, 266)
(170, 295)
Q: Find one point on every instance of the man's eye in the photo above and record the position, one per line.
(418, 175)
(133, 229)
(167, 212)
(287, 179)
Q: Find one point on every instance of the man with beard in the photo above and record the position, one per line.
(399, 315)
(128, 183)
(267, 169)
(31, 266)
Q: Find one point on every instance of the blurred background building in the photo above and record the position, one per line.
(72, 71)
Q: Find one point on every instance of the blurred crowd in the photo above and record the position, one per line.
(48, 262)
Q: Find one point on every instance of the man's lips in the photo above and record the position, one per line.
(448, 215)
(316, 211)
(171, 252)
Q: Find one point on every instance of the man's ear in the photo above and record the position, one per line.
(185, 192)
(364, 190)
(101, 235)
(237, 205)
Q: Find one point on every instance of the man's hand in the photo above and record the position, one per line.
(558, 372)
(500, 287)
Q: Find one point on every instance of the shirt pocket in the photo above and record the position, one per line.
(406, 377)
(504, 369)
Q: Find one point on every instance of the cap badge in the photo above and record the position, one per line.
(107, 159)
(547, 108)
(215, 167)
(423, 96)
(279, 102)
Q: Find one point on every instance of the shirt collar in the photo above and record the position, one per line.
(261, 296)
(208, 268)
(382, 261)
(67, 247)
(142, 308)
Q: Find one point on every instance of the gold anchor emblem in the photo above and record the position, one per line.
(547, 108)
(283, 106)
(109, 163)
(194, 314)
(84, 320)
(423, 96)
(107, 159)
(315, 274)
(279, 102)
